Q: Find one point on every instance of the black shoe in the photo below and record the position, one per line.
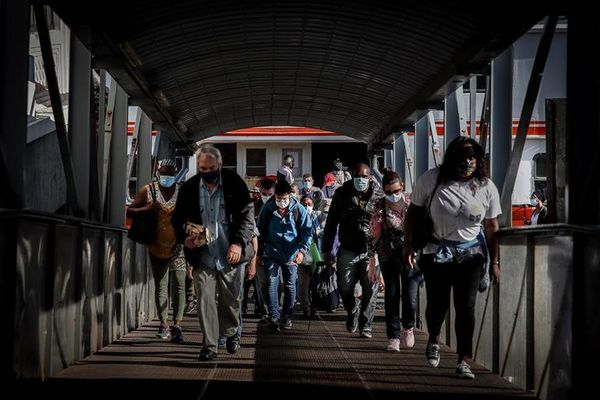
(352, 322)
(207, 355)
(286, 324)
(232, 344)
(176, 334)
(274, 325)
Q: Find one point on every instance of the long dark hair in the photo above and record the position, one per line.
(452, 159)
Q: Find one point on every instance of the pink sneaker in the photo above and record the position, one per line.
(408, 338)
(393, 345)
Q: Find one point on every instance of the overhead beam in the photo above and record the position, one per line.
(57, 110)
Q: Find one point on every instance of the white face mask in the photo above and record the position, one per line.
(394, 197)
(361, 184)
(282, 203)
(309, 209)
(533, 202)
(265, 198)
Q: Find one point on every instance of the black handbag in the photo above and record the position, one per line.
(422, 227)
(143, 225)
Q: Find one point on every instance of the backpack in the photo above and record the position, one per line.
(324, 294)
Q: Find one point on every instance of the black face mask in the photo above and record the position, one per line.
(337, 166)
(210, 176)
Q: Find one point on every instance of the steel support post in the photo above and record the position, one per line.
(399, 155)
(388, 161)
(583, 196)
(144, 164)
(118, 158)
(409, 151)
(451, 124)
(164, 149)
(14, 46)
(421, 147)
(473, 107)
(436, 149)
(79, 119)
(531, 95)
(501, 123)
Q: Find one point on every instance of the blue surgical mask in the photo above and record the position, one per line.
(394, 197)
(533, 202)
(166, 181)
(307, 184)
(361, 184)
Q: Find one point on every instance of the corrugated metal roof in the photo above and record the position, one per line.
(359, 68)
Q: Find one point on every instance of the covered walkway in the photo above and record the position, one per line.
(78, 294)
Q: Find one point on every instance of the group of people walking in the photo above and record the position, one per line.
(362, 227)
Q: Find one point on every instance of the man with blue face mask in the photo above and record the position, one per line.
(350, 212)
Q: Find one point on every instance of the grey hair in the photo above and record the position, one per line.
(212, 151)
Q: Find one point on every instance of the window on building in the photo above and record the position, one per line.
(256, 162)
(540, 171)
(540, 167)
(229, 155)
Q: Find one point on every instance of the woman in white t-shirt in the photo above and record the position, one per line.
(463, 203)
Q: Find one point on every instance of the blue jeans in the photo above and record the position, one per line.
(395, 273)
(290, 275)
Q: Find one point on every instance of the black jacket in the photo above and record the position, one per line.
(352, 219)
(238, 207)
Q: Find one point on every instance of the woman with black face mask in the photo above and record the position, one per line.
(463, 203)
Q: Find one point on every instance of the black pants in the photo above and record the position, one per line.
(464, 280)
(394, 272)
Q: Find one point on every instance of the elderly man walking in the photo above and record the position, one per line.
(218, 201)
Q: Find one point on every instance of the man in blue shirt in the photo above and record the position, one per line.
(285, 232)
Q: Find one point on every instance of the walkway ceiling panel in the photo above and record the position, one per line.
(360, 68)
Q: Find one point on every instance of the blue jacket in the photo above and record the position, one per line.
(282, 237)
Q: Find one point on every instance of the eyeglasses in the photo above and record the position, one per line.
(389, 193)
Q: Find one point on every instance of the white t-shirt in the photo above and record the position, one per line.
(458, 208)
(286, 172)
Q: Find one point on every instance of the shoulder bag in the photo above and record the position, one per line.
(143, 225)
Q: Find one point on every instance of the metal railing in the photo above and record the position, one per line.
(524, 325)
(72, 287)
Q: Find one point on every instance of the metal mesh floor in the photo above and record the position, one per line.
(320, 361)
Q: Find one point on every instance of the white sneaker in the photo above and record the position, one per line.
(463, 370)
(408, 338)
(393, 345)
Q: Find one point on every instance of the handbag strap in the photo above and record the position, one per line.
(152, 191)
